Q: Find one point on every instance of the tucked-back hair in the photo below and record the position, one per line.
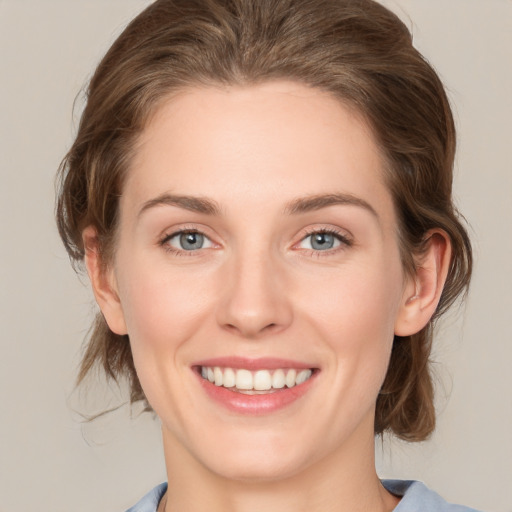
(356, 50)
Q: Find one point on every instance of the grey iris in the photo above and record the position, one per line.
(322, 241)
(191, 241)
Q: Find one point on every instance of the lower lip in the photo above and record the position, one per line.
(256, 404)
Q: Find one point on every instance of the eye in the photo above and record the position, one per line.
(323, 241)
(187, 241)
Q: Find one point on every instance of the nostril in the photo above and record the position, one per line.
(251, 331)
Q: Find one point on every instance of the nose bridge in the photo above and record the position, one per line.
(254, 299)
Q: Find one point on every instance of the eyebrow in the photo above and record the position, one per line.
(297, 206)
(191, 203)
(319, 201)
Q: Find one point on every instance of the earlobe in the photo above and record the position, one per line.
(103, 283)
(423, 290)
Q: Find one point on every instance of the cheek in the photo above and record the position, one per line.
(357, 300)
(162, 308)
(163, 311)
(355, 313)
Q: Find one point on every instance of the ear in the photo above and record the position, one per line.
(423, 290)
(103, 283)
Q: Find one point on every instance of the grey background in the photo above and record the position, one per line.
(49, 460)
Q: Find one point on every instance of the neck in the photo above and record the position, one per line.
(345, 480)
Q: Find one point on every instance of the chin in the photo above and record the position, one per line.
(257, 468)
(256, 456)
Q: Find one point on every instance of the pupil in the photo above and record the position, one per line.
(322, 241)
(191, 241)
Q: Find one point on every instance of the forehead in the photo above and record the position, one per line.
(257, 144)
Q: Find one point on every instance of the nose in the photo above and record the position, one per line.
(254, 301)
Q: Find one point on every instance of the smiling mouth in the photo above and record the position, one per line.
(255, 382)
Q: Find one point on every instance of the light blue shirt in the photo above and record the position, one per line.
(416, 497)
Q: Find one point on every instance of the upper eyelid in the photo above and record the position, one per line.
(342, 234)
(164, 242)
(345, 239)
(168, 233)
(172, 234)
(332, 231)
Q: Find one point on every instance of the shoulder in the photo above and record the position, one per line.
(149, 503)
(417, 497)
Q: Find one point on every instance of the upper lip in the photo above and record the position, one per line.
(260, 363)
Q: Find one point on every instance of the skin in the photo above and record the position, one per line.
(257, 288)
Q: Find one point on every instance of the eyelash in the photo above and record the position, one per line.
(179, 252)
(343, 239)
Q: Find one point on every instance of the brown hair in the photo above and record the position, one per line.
(355, 49)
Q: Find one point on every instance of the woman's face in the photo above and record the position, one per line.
(257, 243)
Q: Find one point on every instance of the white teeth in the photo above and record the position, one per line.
(261, 380)
(217, 373)
(290, 378)
(278, 379)
(244, 379)
(229, 378)
(302, 376)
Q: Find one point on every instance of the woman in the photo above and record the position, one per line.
(261, 194)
